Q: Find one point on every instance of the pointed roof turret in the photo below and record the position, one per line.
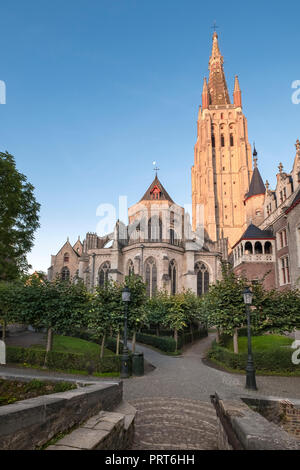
(257, 186)
(237, 94)
(156, 192)
(218, 90)
(205, 95)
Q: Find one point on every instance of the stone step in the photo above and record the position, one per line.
(105, 431)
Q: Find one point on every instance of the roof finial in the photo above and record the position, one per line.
(267, 185)
(297, 146)
(155, 169)
(215, 27)
(280, 167)
(254, 155)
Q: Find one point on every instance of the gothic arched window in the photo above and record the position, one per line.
(155, 229)
(151, 277)
(130, 267)
(65, 274)
(172, 275)
(202, 278)
(231, 140)
(222, 140)
(103, 273)
(66, 258)
(213, 140)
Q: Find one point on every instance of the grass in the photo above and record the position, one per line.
(68, 344)
(261, 343)
(13, 390)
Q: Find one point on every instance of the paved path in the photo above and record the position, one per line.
(173, 401)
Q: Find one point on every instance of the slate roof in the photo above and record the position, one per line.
(255, 233)
(164, 195)
(257, 185)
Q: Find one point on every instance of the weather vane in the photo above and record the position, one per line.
(155, 169)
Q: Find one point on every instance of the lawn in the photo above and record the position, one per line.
(262, 343)
(69, 344)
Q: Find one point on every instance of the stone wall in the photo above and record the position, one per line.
(29, 424)
(242, 428)
(284, 413)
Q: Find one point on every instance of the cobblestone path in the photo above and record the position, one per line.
(174, 424)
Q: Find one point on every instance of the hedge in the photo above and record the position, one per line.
(63, 361)
(277, 360)
(167, 343)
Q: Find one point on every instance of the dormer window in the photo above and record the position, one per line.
(155, 193)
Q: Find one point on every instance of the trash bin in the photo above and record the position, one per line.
(138, 364)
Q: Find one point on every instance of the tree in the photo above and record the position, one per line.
(7, 310)
(176, 317)
(105, 312)
(136, 313)
(225, 304)
(18, 218)
(59, 306)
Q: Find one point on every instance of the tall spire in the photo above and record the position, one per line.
(237, 94)
(217, 83)
(205, 95)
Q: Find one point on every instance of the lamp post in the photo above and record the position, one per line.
(250, 370)
(125, 355)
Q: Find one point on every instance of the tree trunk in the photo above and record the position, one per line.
(133, 342)
(102, 347)
(191, 330)
(176, 339)
(118, 344)
(49, 344)
(218, 336)
(157, 331)
(235, 341)
(4, 330)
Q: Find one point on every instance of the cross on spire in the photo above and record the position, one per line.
(215, 27)
(155, 169)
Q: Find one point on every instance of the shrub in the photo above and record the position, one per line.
(168, 343)
(63, 361)
(276, 360)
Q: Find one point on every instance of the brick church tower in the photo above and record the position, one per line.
(222, 168)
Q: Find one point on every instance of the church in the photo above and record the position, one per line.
(165, 248)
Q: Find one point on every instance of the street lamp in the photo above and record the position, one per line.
(250, 370)
(125, 355)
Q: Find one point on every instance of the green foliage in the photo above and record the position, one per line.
(18, 219)
(63, 361)
(60, 305)
(224, 302)
(272, 360)
(168, 343)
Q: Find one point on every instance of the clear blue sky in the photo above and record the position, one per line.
(98, 89)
